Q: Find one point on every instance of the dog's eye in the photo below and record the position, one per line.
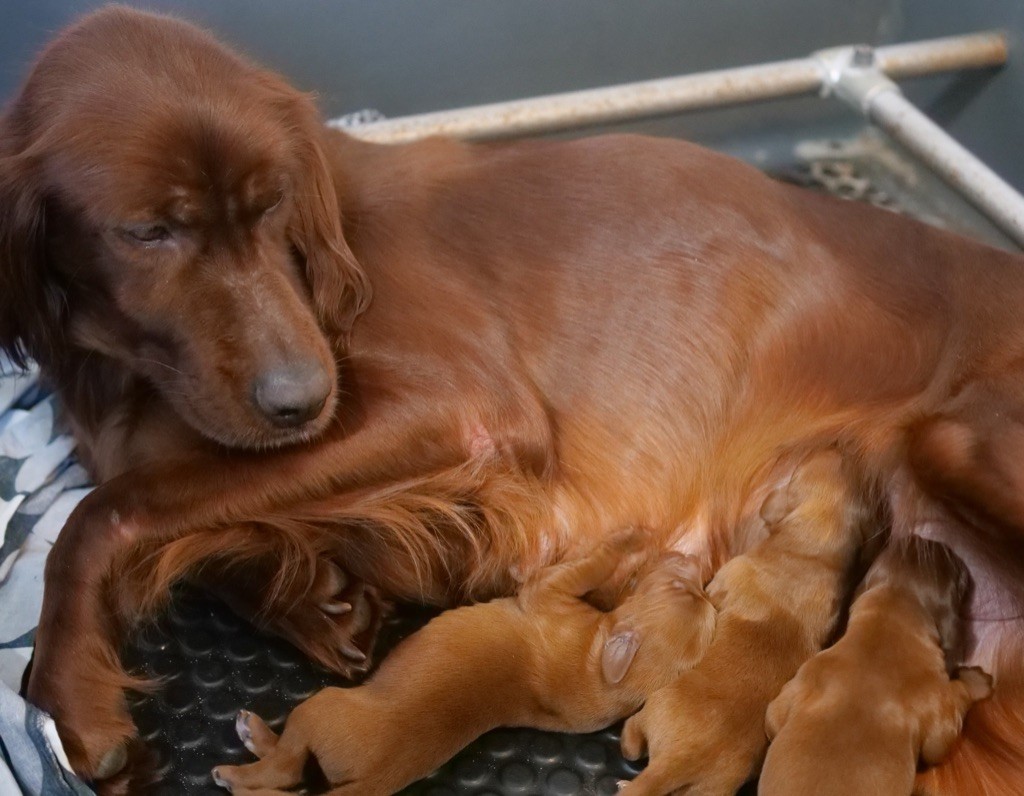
(275, 202)
(148, 233)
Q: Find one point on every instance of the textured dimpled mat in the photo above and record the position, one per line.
(214, 664)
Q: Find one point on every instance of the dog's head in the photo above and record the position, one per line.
(824, 509)
(170, 206)
(935, 577)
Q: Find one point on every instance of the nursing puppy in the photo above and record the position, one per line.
(545, 659)
(858, 717)
(777, 606)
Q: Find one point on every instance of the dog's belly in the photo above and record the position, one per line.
(992, 614)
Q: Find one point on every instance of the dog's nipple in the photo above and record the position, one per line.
(481, 443)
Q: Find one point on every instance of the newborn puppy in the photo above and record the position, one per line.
(777, 606)
(857, 718)
(544, 659)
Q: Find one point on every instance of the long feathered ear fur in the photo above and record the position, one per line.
(31, 303)
(340, 288)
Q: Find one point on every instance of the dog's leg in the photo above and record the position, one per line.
(281, 759)
(461, 675)
(634, 737)
(655, 780)
(942, 727)
(970, 458)
(662, 773)
(333, 618)
(147, 508)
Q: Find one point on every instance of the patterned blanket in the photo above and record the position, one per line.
(40, 483)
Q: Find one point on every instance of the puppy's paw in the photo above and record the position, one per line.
(633, 742)
(281, 759)
(263, 775)
(254, 734)
(978, 682)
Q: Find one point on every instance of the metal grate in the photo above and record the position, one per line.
(871, 168)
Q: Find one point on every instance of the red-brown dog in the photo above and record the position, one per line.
(545, 659)
(777, 606)
(859, 717)
(442, 366)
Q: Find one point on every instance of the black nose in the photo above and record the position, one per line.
(292, 394)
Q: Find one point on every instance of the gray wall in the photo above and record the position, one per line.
(406, 56)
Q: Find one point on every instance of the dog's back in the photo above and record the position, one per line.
(846, 740)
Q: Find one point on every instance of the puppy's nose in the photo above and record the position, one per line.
(293, 394)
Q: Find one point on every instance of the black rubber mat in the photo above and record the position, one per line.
(213, 664)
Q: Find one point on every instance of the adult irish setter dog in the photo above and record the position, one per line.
(317, 373)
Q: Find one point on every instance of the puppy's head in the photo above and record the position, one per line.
(935, 577)
(663, 628)
(824, 504)
(167, 205)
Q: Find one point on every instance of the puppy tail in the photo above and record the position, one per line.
(988, 760)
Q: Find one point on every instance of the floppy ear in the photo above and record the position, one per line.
(31, 304)
(340, 288)
(619, 651)
(777, 506)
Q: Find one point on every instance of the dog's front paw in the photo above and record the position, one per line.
(633, 742)
(92, 720)
(336, 622)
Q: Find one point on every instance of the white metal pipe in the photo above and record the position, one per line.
(891, 111)
(676, 94)
(854, 78)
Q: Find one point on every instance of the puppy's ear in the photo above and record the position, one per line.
(31, 304)
(340, 288)
(776, 506)
(619, 651)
